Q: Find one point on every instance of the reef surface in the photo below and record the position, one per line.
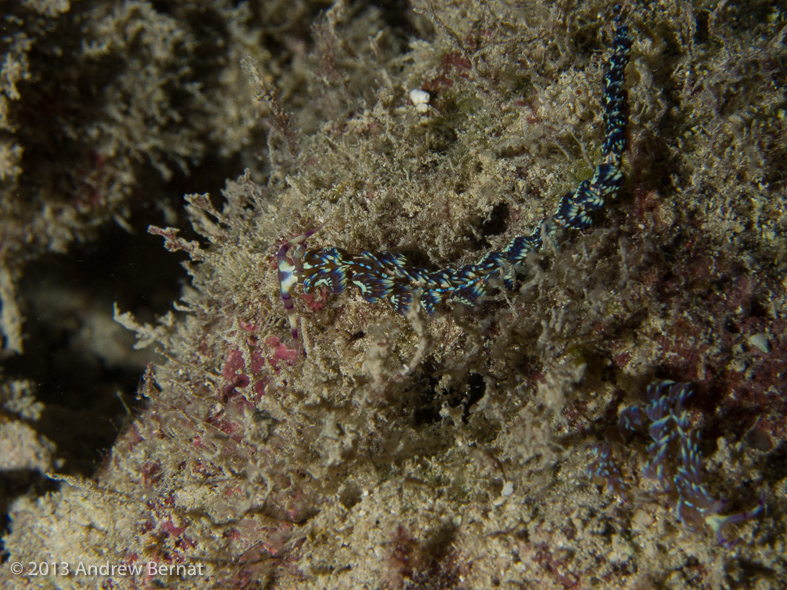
(387, 451)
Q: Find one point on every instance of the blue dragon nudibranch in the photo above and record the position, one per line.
(389, 276)
(674, 459)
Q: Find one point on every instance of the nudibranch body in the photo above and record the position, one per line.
(391, 277)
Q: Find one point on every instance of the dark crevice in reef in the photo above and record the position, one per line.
(79, 359)
(397, 15)
(427, 405)
(495, 224)
(431, 399)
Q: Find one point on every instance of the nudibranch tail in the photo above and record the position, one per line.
(390, 276)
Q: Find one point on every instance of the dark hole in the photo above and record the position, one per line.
(74, 352)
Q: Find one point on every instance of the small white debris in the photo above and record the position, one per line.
(420, 99)
(508, 489)
(760, 341)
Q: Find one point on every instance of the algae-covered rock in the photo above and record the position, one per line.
(451, 451)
